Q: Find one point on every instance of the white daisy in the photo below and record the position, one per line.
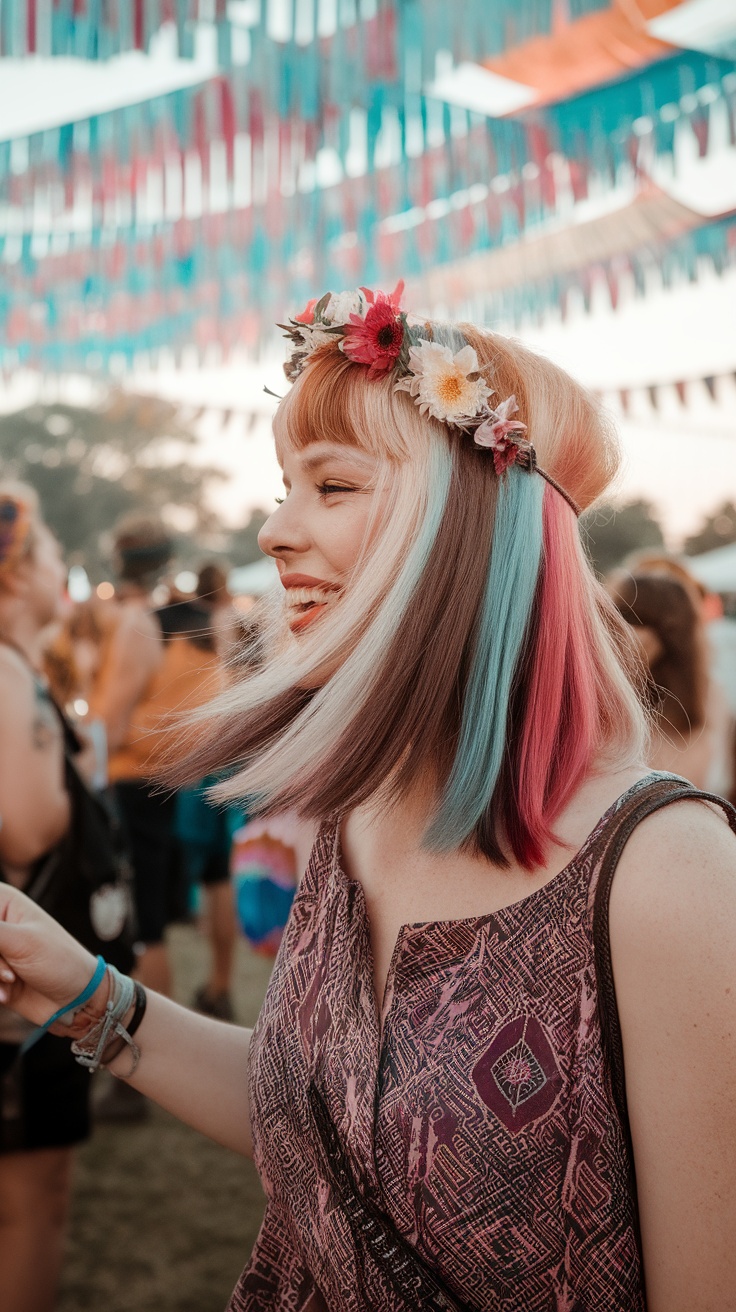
(313, 336)
(447, 386)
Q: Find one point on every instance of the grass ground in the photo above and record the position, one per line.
(163, 1220)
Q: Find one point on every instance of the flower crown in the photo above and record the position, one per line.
(371, 329)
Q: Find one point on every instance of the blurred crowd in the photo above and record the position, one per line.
(93, 695)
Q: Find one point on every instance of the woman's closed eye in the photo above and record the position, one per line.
(327, 489)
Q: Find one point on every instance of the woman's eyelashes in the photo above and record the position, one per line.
(327, 489)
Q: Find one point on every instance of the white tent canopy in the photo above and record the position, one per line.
(716, 569)
(253, 580)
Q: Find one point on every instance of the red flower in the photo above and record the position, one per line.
(307, 315)
(376, 340)
(505, 453)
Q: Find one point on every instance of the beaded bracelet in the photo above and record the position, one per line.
(90, 1049)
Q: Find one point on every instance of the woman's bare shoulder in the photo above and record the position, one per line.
(684, 850)
(673, 944)
(673, 913)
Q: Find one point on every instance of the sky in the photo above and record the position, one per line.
(682, 459)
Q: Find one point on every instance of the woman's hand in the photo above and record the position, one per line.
(42, 968)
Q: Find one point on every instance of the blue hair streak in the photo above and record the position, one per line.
(510, 588)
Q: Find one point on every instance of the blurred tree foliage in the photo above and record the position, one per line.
(92, 465)
(717, 530)
(242, 546)
(611, 533)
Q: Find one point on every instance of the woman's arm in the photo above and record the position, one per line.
(196, 1068)
(673, 941)
(192, 1066)
(34, 804)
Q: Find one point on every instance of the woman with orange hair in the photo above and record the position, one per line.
(486, 1074)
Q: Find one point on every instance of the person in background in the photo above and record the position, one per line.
(204, 831)
(71, 660)
(159, 663)
(43, 1093)
(692, 727)
(268, 858)
(131, 691)
(212, 592)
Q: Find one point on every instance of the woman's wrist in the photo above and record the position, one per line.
(79, 1022)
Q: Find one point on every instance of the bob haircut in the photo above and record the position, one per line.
(479, 658)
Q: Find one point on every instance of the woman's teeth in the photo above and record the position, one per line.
(304, 598)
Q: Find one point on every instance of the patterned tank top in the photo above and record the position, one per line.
(483, 1121)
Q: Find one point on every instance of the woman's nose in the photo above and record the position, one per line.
(282, 532)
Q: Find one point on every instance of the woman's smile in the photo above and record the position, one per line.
(306, 599)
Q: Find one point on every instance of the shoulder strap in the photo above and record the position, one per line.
(661, 792)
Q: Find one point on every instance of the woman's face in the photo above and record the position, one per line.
(318, 531)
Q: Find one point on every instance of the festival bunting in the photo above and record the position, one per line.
(685, 389)
(98, 29)
(317, 158)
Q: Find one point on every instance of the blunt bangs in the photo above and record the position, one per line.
(331, 402)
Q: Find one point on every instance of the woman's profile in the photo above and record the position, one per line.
(494, 1067)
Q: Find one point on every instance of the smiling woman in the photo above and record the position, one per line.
(399, 527)
(453, 1091)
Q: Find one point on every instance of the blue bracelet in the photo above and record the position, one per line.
(84, 996)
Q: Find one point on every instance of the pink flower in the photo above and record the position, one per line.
(377, 339)
(493, 433)
(307, 314)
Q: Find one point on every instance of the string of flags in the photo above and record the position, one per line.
(314, 158)
(94, 29)
(684, 389)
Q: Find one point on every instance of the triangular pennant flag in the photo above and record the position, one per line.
(710, 383)
(680, 388)
(653, 392)
(624, 397)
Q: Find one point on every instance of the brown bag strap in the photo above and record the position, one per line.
(662, 791)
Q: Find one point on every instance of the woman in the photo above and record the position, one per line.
(692, 723)
(435, 1093)
(43, 1093)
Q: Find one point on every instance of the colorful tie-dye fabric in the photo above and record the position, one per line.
(479, 1119)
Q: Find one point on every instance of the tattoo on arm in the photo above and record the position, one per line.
(45, 728)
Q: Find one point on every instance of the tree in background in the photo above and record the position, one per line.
(718, 530)
(243, 546)
(92, 465)
(611, 533)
